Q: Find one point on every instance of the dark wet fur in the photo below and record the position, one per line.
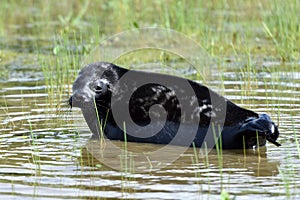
(241, 126)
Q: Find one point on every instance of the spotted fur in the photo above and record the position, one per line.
(97, 82)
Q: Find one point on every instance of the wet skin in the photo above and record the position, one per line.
(210, 113)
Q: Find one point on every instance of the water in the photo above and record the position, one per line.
(44, 157)
(45, 152)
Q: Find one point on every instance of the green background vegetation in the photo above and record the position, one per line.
(260, 35)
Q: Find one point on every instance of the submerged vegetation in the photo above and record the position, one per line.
(256, 42)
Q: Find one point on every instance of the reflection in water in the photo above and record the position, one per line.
(114, 154)
(43, 156)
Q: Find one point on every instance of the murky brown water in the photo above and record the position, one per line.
(43, 156)
(45, 152)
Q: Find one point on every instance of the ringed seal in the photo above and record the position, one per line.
(98, 82)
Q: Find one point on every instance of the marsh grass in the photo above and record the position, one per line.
(210, 24)
(287, 175)
(219, 150)
(5, 111)
(101, 125)
(195, 162)
(284, 29)
(296, 139)
(35, 151)
(127, 166)
(60, 69)
(247, 32)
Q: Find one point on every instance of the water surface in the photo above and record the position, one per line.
(44, 147)
(44, 155)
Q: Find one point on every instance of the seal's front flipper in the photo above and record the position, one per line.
(263, 126)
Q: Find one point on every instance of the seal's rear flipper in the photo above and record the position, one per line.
(262, 125)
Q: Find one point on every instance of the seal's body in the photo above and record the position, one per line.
(157, 110)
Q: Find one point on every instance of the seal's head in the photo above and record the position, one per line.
(94, 83)
(92, 90)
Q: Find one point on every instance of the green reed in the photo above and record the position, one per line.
(284, 29)
(127, 167)
(249, 31)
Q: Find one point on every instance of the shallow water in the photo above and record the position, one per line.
(46, 155)
(45, 151)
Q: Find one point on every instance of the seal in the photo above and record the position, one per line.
(98, 88)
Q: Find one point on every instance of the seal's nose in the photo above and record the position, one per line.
(78, 100)
(100, 88)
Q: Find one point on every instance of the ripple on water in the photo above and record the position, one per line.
(44, 156)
